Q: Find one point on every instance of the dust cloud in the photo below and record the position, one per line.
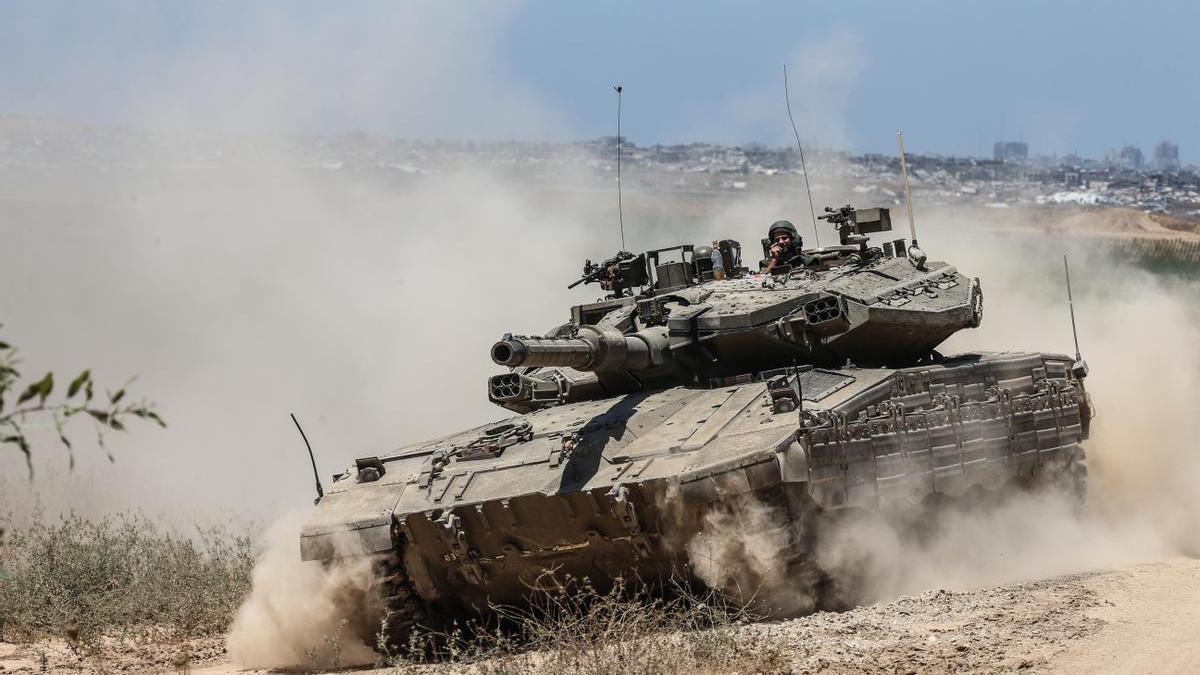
(241, 280)
(302, 614)
(740, 550)
(364, 306)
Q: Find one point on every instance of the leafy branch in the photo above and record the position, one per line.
(35, 408)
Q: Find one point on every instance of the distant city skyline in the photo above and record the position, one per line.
(1064, 77)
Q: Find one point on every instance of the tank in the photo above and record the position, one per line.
(689, 391)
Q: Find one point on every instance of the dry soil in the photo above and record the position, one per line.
(1144, 618)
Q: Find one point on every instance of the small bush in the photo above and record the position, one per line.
(82, 579)
(573, 628)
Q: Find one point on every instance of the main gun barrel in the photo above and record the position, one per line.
(592, 348)
(532, 351)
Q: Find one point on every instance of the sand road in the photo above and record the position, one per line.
(1139, 619)
(1151, 622)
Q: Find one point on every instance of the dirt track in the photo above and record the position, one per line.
(1138, 619)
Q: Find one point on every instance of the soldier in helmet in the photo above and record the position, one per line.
(785, 244)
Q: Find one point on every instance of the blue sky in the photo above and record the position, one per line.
(1063, 76)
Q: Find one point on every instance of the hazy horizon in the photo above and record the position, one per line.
(1067, 77)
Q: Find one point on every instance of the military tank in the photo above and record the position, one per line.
(694, 385)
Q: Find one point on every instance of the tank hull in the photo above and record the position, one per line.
(621, 487)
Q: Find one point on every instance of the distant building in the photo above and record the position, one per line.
(1131, 157)
(1008, 151)
(1166, 156)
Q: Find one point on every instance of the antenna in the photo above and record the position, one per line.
(620, 211)
(912, 224)
(811, 209)
(1071, 304)
(316, 476)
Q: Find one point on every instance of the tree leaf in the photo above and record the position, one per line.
(87, 390)
(78, 382)
(46, 386)
(116, 398)
(147, 413)
(100, 415)
(23, 446)
(30, 391)
(5, 345)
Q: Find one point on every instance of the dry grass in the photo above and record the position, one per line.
(127, 589)
(120, 577)
(573, 628)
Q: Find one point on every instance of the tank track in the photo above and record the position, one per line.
(1072, 477)
(400, 609)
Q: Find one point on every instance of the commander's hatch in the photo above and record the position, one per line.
(671, 268)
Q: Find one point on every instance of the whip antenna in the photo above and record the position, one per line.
(1071, 305)
(316, 476)
(803, 167)
(620, 211)
(912, 224)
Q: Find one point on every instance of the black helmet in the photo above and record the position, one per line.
(782, 226)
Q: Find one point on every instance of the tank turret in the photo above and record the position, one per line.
(668, 320)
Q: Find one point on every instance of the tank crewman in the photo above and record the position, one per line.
(786, 244)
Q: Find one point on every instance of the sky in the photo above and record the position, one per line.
(955, 76)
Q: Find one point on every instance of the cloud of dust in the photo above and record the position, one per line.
(302, 614)
(241, 282)
(740, 551)
(1138, 333)
(242, 294)
(241, 279)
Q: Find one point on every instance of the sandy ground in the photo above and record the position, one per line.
(1151, 622)
(1103, 223)
(1138, 619)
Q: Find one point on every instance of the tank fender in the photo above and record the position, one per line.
(327, 545)
(793, 462)
(710, 486)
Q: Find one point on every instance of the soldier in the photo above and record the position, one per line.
(717, 261)
(785, 244)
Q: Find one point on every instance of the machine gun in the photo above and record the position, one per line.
(853, 225)
(618, 274)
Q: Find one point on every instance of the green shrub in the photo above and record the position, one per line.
(84, 579)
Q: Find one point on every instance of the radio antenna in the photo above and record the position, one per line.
(313, 459)
(803, 167)
(912, 224)
(1071, 304)
(620, 212)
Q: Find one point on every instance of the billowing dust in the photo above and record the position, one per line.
(302, 615)
(739, 551)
